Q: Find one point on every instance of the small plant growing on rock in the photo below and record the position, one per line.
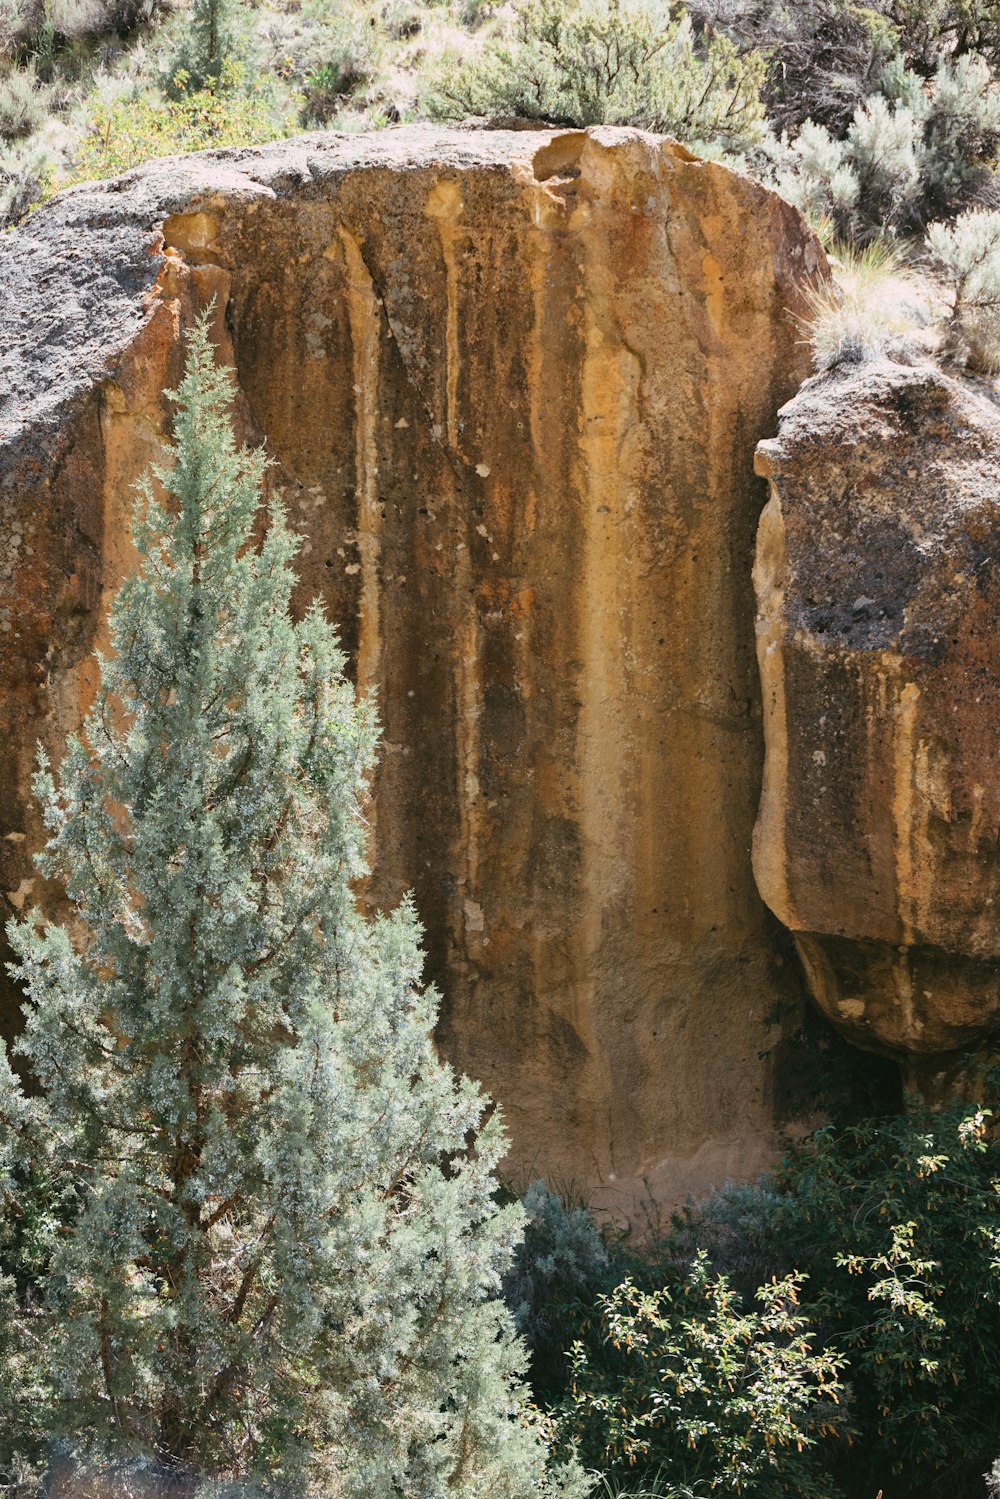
(864, 310)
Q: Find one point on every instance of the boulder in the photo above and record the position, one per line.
(878, 634)
(511, 384)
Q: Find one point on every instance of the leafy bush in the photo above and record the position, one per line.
(592, 62)
(555, 1277)
(129, 131)
(331, 53)
(969, 252)
(897, 1226)
(23, 103)
(867, 183)
(911, 151)
(690, 1384)
(736, 1227)
(880, 1243)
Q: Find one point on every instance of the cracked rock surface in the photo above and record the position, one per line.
(511, 384)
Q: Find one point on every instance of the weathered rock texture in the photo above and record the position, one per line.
(878, 587)
(512, 384)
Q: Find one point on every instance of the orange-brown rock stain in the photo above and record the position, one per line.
(512, 409)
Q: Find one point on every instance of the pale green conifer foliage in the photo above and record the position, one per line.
(286, 1260)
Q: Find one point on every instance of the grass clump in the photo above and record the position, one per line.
(866, 309)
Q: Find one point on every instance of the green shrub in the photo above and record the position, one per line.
(23, 103)
(888, 1233)
(867, 183)
(557, 1273)
(736, 1226)
(897, 1225)
(592, 62)
(882, 148)
(689, 1384)
(129, 131)
(911, 151)
(969, 252)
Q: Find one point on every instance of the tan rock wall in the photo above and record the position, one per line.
(512, 386)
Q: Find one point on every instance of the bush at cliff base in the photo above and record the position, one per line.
(898, 1225)
(872, 1360)
(690, 1386)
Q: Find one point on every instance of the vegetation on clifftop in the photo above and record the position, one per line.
(878, 120)
(873, 117)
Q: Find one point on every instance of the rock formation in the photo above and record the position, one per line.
(512, 385)
(878, 588)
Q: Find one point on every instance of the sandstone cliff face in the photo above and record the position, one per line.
(512, 385)
(878, 588)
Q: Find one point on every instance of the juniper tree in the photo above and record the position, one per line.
(286, 1254)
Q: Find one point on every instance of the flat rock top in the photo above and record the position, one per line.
(72, 278)
(888, 482)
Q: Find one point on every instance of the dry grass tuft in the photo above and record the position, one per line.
(869, 306)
